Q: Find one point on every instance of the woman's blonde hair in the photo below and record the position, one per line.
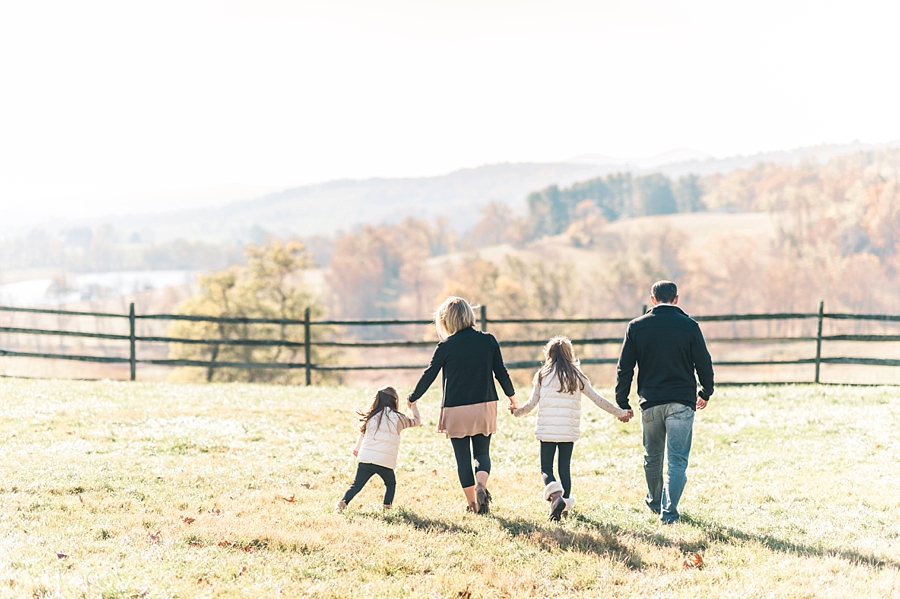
(560, 358)
(452, 316)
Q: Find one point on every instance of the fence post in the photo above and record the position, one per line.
(307, 341)
(131, 340)
(819, 340)
(484, 318)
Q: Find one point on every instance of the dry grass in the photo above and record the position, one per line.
(113, 489)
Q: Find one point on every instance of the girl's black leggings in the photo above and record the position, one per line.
(548, 449)
(480, 449)
(366, 471)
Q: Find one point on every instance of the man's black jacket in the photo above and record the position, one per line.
(668, 347)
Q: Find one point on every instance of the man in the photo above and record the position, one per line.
(668, 347)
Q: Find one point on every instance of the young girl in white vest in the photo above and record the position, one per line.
(378, 443)
(558, 386)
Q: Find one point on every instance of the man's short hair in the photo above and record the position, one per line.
(664, 292)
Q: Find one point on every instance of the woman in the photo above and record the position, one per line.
(469, 360)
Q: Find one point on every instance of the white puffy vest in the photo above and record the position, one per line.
(381, 441)
(559, 413)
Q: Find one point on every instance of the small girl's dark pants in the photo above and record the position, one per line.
(366, 471)
(548, 449)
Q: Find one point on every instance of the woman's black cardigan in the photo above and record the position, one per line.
(468, 359)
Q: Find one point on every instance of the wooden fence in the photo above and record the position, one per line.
(132, 339)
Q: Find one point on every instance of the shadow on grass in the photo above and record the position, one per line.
(604, 538)
(725, 534)
(551, 537)
(718, 533)
(424, 523)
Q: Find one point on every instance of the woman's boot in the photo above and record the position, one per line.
(483, 498)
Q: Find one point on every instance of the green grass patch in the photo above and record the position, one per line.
(114, 489)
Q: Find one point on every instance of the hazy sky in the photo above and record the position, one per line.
(112, 106)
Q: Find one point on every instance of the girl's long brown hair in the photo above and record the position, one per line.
(386, 397)
(560, 358)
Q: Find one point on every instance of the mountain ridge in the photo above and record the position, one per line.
(344, 204)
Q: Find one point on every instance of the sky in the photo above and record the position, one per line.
(123, 107)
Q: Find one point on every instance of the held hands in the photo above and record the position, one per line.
(513, 406)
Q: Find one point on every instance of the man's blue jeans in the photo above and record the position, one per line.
(667, 427)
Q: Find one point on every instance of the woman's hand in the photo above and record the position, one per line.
(513, 406)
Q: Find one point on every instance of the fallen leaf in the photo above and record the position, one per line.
(194, 544)
(693, 560)
(202, 580)
(62, 555)
(434, 472)
(154, 538)
(306, 485)
(215, 511)
(243, 570)
(188, 520)
(227, 544)
(80, 499)
(465, 593)
(290, 499)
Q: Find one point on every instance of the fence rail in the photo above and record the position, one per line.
(308, 342)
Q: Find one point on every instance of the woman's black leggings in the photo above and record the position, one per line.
(548, 449)
(480, 449)
(366, 471)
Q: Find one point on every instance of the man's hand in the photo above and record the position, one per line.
(701, 403)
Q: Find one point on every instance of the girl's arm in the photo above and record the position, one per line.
(359, 441)
(601, 401)
(406, 421)
(535, 398)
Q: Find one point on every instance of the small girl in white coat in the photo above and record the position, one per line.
(378, 444)
(558, 386)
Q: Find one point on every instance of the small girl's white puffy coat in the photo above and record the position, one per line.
(380, 444)
(559, 413)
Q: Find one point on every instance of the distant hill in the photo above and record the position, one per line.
(345, 204)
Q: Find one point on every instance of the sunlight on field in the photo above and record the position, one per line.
(120, 489)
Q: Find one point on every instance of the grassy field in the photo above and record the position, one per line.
(113, 489)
